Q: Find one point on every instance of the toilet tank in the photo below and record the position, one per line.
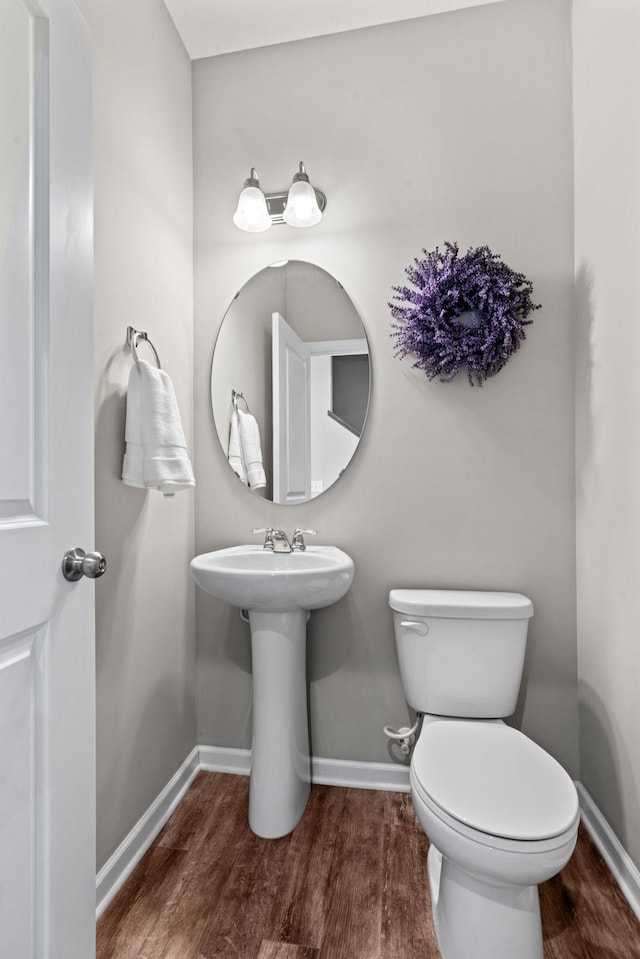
(461, 652)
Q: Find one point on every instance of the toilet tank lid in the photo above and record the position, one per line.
(460, 604)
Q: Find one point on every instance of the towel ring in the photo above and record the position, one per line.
(136, 336)
(237, 395)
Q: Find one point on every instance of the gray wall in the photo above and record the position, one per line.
(607, 148)
(143, 276)
(451, 127)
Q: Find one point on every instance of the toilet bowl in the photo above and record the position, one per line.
(502, 816)
(500, 813)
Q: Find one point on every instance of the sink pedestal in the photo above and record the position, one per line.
(280, 761)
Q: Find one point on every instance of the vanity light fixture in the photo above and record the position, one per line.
(303, 206)
(300, 206)
(251, 213)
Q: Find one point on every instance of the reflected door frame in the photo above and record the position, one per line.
(291, 370)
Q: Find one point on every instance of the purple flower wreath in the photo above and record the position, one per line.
(462, 310)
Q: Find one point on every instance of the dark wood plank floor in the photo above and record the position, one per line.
(348, 883)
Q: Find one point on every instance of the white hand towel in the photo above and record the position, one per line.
(251, 451)
(235, 450)
(155, 448)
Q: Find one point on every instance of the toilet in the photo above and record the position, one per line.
(500, 813)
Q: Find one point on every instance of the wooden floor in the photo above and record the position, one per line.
(348, 883)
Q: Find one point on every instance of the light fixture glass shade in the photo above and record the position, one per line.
(302, 204)
(252, 214)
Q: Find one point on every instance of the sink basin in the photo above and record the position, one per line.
(253, 578)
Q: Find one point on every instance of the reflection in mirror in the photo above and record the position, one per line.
(293, 345)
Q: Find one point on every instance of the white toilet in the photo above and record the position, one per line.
(500, 813)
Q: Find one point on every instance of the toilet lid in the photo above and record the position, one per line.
(492, 778)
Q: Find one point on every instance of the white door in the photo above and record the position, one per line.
(291, 415)
(47, 859)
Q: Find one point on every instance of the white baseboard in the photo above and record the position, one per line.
(328, 772)
(622, 867)
(133, 847)
(222, 759)
(388, 777)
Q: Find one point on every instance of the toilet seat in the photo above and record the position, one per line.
(491, 782)
(521, 848)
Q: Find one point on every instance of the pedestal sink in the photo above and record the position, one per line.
(278, 590)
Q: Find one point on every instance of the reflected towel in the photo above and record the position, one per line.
(251, 451)
(155, 448)
(235, 450)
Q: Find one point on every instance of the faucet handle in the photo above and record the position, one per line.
(297, 540)
(268, 535)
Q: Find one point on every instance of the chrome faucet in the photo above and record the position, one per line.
(280, 542)
(297, 540)
(275, 539)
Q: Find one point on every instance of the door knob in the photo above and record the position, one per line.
(76, 564)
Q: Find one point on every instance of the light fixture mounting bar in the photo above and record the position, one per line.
(276, 203)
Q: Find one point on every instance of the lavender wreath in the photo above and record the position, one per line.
(468, 310)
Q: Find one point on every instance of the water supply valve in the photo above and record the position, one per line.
(408, 741)
(404, 737)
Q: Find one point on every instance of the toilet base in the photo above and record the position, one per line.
(474, 919)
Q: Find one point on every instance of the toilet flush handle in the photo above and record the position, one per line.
(421, 628)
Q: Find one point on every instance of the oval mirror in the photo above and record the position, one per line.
(292, 353)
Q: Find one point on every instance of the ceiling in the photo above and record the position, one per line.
(212, 27)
